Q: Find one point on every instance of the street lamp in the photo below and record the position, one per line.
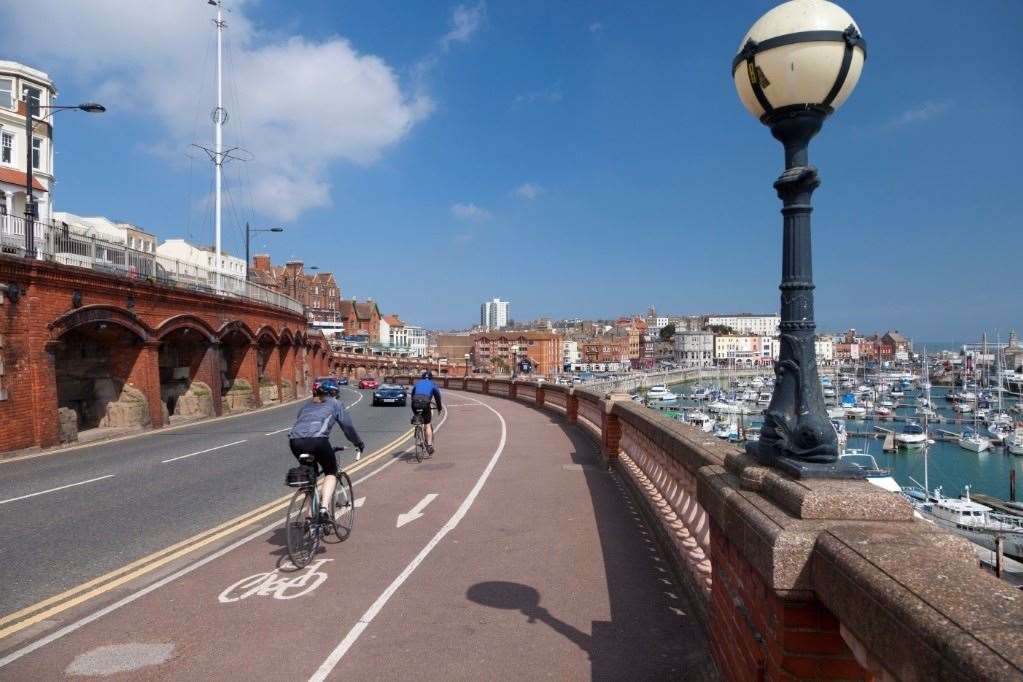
(798, 63)
(30, 205)
(248, 232)
(466, 364)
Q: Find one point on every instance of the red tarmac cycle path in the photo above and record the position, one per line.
(529, 562)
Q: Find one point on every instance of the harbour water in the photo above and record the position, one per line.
(949, 465)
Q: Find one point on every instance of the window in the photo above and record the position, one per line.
(37, 151)
(7, 147)
(6, 93)
(34, 96)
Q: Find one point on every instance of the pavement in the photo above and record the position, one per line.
(510, 554)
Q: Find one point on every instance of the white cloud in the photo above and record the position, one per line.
(297, 105)
(470, 213)
(465, 21)
(528, 190)
(920, 113)
(596, 27)
(552, 96)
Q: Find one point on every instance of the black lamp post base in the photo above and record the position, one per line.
(800, 469)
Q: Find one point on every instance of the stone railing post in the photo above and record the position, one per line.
(610, 428)
(572, 406)
(485, 386)
(513, 389)
(539, 395)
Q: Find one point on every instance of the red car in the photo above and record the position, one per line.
(369, 382)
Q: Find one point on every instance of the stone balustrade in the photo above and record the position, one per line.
(797, 580)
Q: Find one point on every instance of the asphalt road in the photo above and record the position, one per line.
(126, 500)
(511, 554)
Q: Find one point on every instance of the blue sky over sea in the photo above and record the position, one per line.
(579, 159)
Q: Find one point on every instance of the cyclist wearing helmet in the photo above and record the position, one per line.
(424, 392)
(311, 432)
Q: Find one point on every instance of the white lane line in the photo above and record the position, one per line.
(68, 629)
(335, 656)
(396, 457)
(274, 433)
(416, 512)
(53, 490)
(202, 452)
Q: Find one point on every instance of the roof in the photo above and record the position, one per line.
(897, 337)
(393, 320)
(359, 310)
(18, 178)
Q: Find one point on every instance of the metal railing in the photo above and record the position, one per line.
(59, 244)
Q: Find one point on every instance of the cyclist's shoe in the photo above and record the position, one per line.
(429, 449)
(325, 515)
(358, 455)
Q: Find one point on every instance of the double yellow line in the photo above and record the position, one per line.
(47, 608)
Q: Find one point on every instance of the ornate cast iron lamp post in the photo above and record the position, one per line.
(798, 63)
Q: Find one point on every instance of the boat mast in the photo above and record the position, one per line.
(219, 116)
(927, 433)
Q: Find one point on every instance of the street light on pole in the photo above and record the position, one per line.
(797, 64)
(248, 233)
(30, 206)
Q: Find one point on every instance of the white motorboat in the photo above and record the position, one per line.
(963, 407)
(971, 440)
(836, 412)
(764, 398)
(882, 411)
(1014, 443)
(855, 411)
(660, 392)
(911, 436)
(700, 420)
(882, 478)
(976, 522)
(727, 430)
(886, 402)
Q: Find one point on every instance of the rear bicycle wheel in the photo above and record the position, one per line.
(344, 508)
(420, 443)
(298, 527)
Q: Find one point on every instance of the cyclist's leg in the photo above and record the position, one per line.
(328, 462)
(302, 446)
(428, 427)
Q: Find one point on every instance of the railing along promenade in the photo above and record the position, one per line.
(796, 579)
(57, 243)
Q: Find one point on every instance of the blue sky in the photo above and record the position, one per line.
(579, 159)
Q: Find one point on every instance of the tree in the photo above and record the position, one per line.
(718, 329)
(667, 332)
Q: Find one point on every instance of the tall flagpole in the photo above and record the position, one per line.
(218, 120)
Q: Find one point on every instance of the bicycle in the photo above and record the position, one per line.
(303, 526)
(421, 451)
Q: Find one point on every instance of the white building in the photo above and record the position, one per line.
(694, 349)
(570, 353)
(743, 350)
(18, 82)
(494, 314)
(201, 258)
(824, 347)
(407, 338)
(748, 323)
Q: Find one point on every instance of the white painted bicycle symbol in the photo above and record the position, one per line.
(273, 584)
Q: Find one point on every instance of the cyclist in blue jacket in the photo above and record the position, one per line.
(424, 392)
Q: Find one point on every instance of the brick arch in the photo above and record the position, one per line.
(186, 321)
(286, 337)
(236, 326)
(267, 330)
(100, 313)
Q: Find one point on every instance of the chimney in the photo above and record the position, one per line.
(261, 262)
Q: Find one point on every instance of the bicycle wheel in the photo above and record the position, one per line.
(344, 508)
(299, 528)
(420, 443)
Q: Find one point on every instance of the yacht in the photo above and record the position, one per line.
(971, 440)
(962, 407)
(764, 398)
(726, 430)
(882, 478)
(836, 412)
(911, 436)
(974, 521)
(660, 392)
(882, 411)
(700, 420)
(1014, 443)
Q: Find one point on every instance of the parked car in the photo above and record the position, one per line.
(369, 382)
(389, 394)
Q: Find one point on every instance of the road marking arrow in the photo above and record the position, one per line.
(359, 501)
(416, 511)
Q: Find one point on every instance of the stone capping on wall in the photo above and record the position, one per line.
(910, 599)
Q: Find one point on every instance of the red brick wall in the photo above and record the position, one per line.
(757, 636)
(29, 415)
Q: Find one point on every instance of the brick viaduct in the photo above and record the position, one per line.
(75, 338)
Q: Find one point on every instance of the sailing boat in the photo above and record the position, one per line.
(999, 423)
